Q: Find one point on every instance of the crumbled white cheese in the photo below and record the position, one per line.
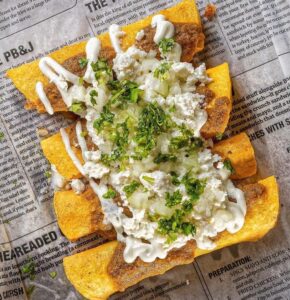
(93, 155)
(156, 182)
(95, 170)
(77, 186)
(188, 111)
(140, 35)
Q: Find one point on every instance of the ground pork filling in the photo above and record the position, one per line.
(159, 184)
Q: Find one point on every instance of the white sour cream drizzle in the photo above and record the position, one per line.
(69, 150)
(164, 28)
(213, 213)
(59, 76)
(93, 48)
(116, 33)
(81, 139)
(43, 98)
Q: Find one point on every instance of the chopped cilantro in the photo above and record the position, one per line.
(186, 139)
(162, 71)
(120, 142)
(188, 228)
(173, 199)
(84, 133)
(29, 269)
(47, 174)
(105, 117)
(77, 107)
(1, 136)
(219, 136)
(149, 179)
(81, 81)
(174, 178)
(152, 121)
(121, 138)
(101, 69)
(93, 95)
(53, 274)
(187, 206)
(83, 62)
(123, 92)
(194, 187)
(175, 225)
(166, 45)
(131, 188)
(161, 158)
(228, 165)
(110, 194)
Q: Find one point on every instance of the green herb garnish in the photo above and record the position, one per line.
(77, 107)
(161, 158)
(110, 194)
(194, 187)
(106, 117)
(166, 45)
(1, 136)
(131, 188)
(152, 121)
(81, 81)
(187, 206)
(219, 136)
(53, 274)
(228, 165)
(149, 179)
(123, 92)
(93, 95)
(174, 178)
(29, 269)
(175, 225)
(101, 69)
(47, 174)
(162, 72)
(83, 62)
(186, 139)
(173, 199)
(84, 133)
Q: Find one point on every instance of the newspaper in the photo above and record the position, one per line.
(254, 37)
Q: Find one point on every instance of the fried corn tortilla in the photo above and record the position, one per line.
(26, 76)
(90, 271)
(239, 150)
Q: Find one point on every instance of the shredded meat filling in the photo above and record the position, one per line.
(188, 35)
(72, 65)
(126, 275)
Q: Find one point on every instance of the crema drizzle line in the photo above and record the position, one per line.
(81, 139)
(116, 33)
(164, 28)
(70, 152)
(93, 48)
(43, 98)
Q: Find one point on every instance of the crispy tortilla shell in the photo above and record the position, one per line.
(54, 150)
(26, 76)
(89, 271)
(239, 150)
(79, 215)
(219, 108)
